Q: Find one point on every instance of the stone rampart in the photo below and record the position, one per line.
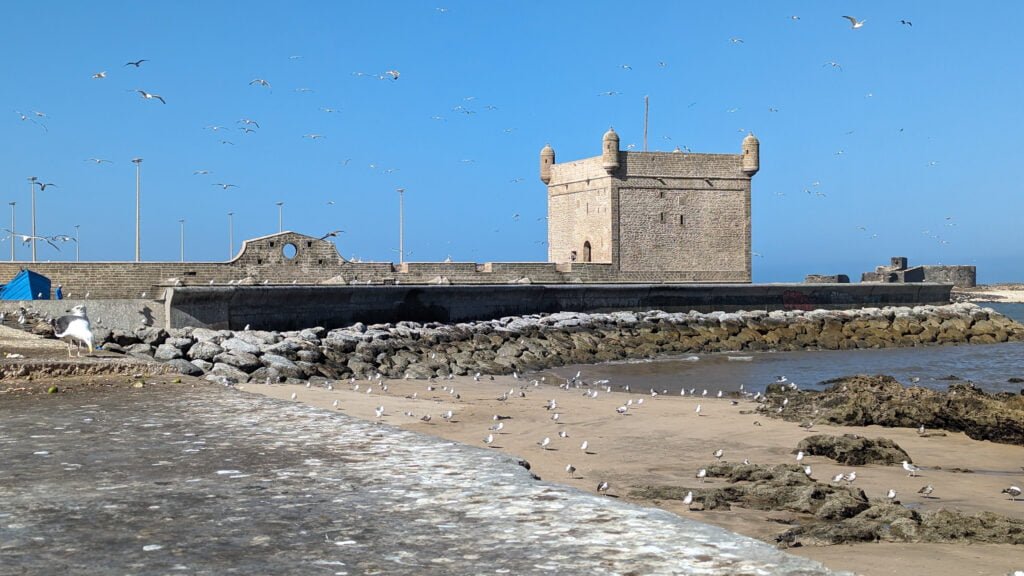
(294, 307)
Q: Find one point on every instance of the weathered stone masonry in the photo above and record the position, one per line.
(685, 216)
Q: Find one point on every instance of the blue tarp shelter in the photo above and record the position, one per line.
(27, 285)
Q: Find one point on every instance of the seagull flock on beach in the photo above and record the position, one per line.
(557, 439)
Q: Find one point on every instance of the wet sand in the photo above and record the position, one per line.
(663, 441)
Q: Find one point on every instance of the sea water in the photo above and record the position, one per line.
(989, 366)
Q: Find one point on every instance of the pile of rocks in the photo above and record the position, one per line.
(834, 513)
(409, 349)
(883, 401)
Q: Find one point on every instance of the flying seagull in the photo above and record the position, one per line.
(259, 82)
(75, 327)
(854, 23)
(225, 186)
(97, 160)
(149, 96)
(43, 185)
(99, 75)
(26, 238)
(331, 234)
(136, 63)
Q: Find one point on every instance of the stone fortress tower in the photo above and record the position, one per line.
(653, 216)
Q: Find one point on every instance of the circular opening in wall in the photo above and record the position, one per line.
(289, 250)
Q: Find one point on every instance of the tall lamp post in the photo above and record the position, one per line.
(182, 222)
(32, 185)
(231, 235)
(401, 225)
(280, 217)
(12, 229)
(138, 211)
(78, 244)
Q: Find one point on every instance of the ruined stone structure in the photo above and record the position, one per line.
(898, 271)
(676, 216)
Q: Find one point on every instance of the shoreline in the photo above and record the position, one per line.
(662, 442)
(999, 293)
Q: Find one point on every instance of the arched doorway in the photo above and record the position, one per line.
(586, 251)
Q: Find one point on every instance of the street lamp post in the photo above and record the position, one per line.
(231, 235)
(138, 211)
(32, 185)
(280, 217)
(13, 229)
(78, 244)
(182, 222)
(401, 225)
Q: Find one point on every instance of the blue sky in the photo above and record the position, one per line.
(908, 147)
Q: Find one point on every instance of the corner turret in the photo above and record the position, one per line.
(547, 158)
(751, 155)
(610, 151)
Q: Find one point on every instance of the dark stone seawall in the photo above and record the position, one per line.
(296, 307)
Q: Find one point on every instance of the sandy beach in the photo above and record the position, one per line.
(663, 442)
(1009, 293)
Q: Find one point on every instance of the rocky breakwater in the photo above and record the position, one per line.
(409, 349)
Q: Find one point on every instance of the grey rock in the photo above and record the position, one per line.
(179, 342)
(166, 352)
(258, 337)
(282, 366)
(242, 360)
(207, 335)
(239, 345)
(230, 373)
(202, 364)
(139, 350)
(204, 350)
(185, 367)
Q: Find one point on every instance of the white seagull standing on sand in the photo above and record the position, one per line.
(571, 470)
(913, 470)
(544, 443)
(702, 474)
(688, 499)
(76, 328)
(1013, 491)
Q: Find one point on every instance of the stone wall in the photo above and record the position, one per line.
(293, 307)
(693, 225)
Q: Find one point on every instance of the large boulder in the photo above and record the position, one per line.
(853, 450)
(881, 400)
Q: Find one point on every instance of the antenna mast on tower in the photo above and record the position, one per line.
(646, 110)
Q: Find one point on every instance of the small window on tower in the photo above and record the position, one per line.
(681, 222)
(661, 217)
(661, 193)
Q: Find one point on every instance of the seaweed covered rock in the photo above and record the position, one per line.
(854, 450)
(881, 400)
